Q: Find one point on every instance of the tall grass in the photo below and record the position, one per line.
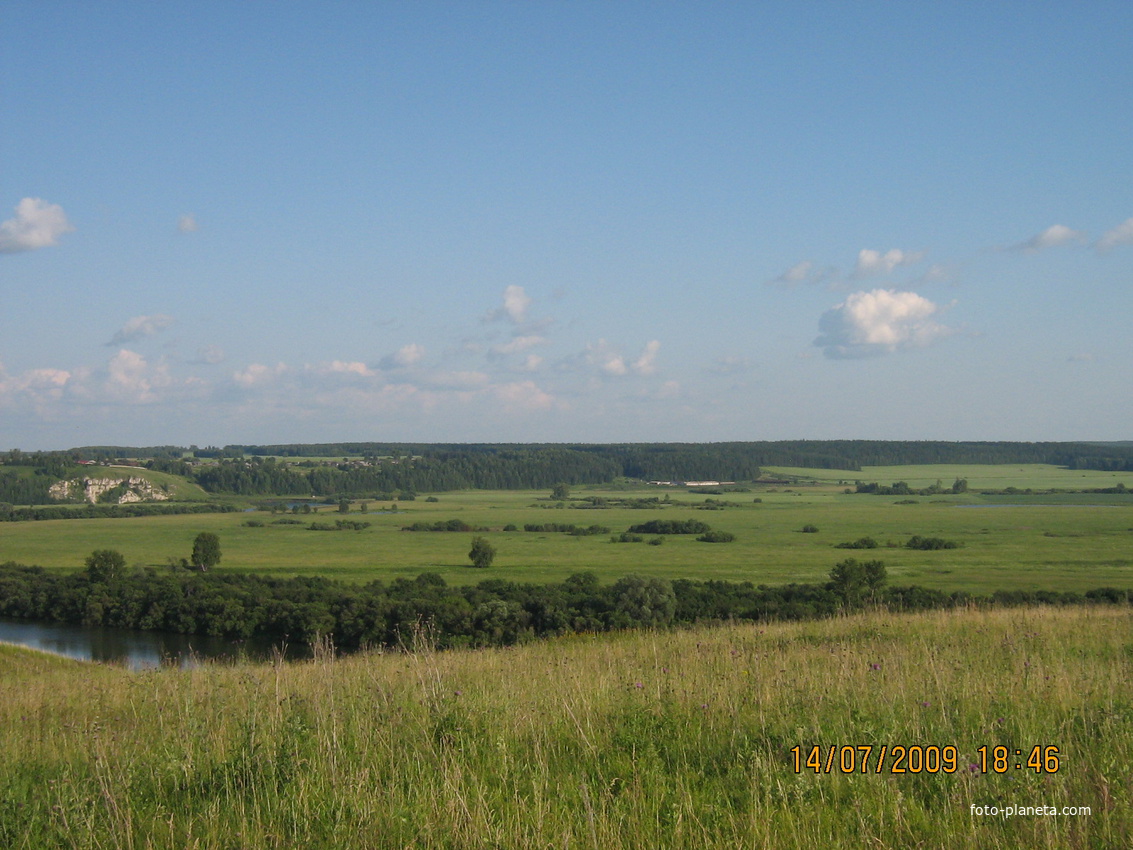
(676, 739)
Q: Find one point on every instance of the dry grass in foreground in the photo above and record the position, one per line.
(660, 740)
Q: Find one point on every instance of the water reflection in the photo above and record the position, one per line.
(134, 649)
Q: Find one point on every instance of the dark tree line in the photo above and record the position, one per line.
(10, 513)
(491, 613)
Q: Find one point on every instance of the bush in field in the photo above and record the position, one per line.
(717, 537)
(860, 543)
(810, 529)
(929, 544)
(626, 537)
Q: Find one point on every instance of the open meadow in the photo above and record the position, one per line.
(1048, 541)
(680, 739)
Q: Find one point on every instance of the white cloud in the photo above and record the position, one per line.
(37, 224)
(130, 378)
(187, 223)
(210, 354)
(404, 357)
(605, 358)
(350, 368)
(41, 383)
(868, 324)
(516, 303)
(646, 364)
(804, 273)
(1053, 236)
(730, 364)
(611, 361)
(258, 374)
(1120, 235)
(796, 274)
(524, 395)
(515, 306)
(461, 380)
(936, 273)
(518, 344)
(872, 263)
(139, 327)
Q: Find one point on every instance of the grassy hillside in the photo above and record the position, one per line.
(668, 740)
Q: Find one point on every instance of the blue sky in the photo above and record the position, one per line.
(505, 222)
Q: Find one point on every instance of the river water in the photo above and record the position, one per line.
(136, 650)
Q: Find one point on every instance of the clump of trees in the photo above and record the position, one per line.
(716, 537)
(105, 565)
(339, 525)
(929, 544)
(566, 528)
(860, 543)
(858, 582)
(440, 525)
(671, 526)
(626, 537)
(902, 488)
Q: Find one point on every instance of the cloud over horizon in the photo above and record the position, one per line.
(882, 321)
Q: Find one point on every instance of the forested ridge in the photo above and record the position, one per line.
(360, 469)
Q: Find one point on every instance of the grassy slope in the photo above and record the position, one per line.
(641, 740)
(1024, 546)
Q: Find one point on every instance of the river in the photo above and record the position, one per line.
(136, 650)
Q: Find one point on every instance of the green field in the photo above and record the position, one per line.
(640, 740)
(1063, 541)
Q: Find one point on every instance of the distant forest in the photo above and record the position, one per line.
(375, 469)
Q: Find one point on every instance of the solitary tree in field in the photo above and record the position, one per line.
(560, 492)
(482, 553)
(206, 551)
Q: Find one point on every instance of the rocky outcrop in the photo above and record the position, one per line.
(133, 489)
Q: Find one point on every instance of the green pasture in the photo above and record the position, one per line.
(1068, 542)
(1036, 476)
